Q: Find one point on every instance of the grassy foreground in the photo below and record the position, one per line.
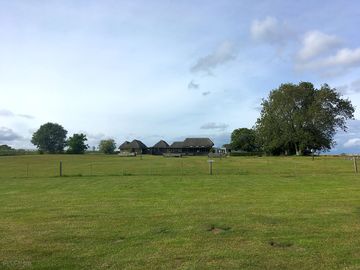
(110, 212)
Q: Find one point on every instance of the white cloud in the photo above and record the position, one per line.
(311, 55)
(7, 113)
(27, 116)
(344, 57)
(224, 53)
(348, 89)
(355, 86)
(94, 139)
(91, 136)
(352, 143)
(342, 60)
(212, 125)
(315, 43)
(269, 30)
(7, 135)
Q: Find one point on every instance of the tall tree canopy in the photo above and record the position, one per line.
(107, 146)
(50, 138)
(244, 139)
(77, 144)
(299, 117)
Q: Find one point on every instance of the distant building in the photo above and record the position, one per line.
(124, 146)
(176, 147)
(192, 146)
(161, 147)
(135, 146)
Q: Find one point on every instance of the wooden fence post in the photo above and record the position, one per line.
(210, 166)
(355, 164)
(60, 168)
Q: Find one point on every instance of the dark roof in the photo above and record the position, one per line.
(177, 145)
(124, 145)
(161, 144)
(135, 144)
(193, 142)
(138, 144)
(198, 142)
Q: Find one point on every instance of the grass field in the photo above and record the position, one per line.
(110, 212)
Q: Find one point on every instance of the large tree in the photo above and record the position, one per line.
(244, 139)
(50, 138)
(107, 146)
(299, 117)
(77, 144)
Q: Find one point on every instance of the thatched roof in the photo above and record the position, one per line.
(161, 144)
(125, 145)
(135, 144)
(193, 143)
(177, 145)
(198, 142)
(138, 144)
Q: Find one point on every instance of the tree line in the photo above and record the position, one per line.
(296, 119)
(51, 138)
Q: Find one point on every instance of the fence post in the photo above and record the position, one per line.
(210, 166)
(355, 164)
(60, 168)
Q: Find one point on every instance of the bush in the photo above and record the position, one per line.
(245, 154)
(107, 146)
(17, 152)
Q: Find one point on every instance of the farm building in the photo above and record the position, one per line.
(159, 148)
(192, 146)
(176, 147)
(135, 146)
(124, 146)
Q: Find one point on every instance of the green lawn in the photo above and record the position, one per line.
(110, 212)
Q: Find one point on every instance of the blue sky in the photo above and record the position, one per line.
(167, 69)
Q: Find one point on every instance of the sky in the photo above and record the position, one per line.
(168, 69)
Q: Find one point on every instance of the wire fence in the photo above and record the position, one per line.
(67, 166)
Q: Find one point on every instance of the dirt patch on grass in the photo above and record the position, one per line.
(217, 230)
(277, 244)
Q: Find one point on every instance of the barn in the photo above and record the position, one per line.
(192, 146)
(176, 147)
(161, 147)
(135, 146)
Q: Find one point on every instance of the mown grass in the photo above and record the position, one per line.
(111, 212)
